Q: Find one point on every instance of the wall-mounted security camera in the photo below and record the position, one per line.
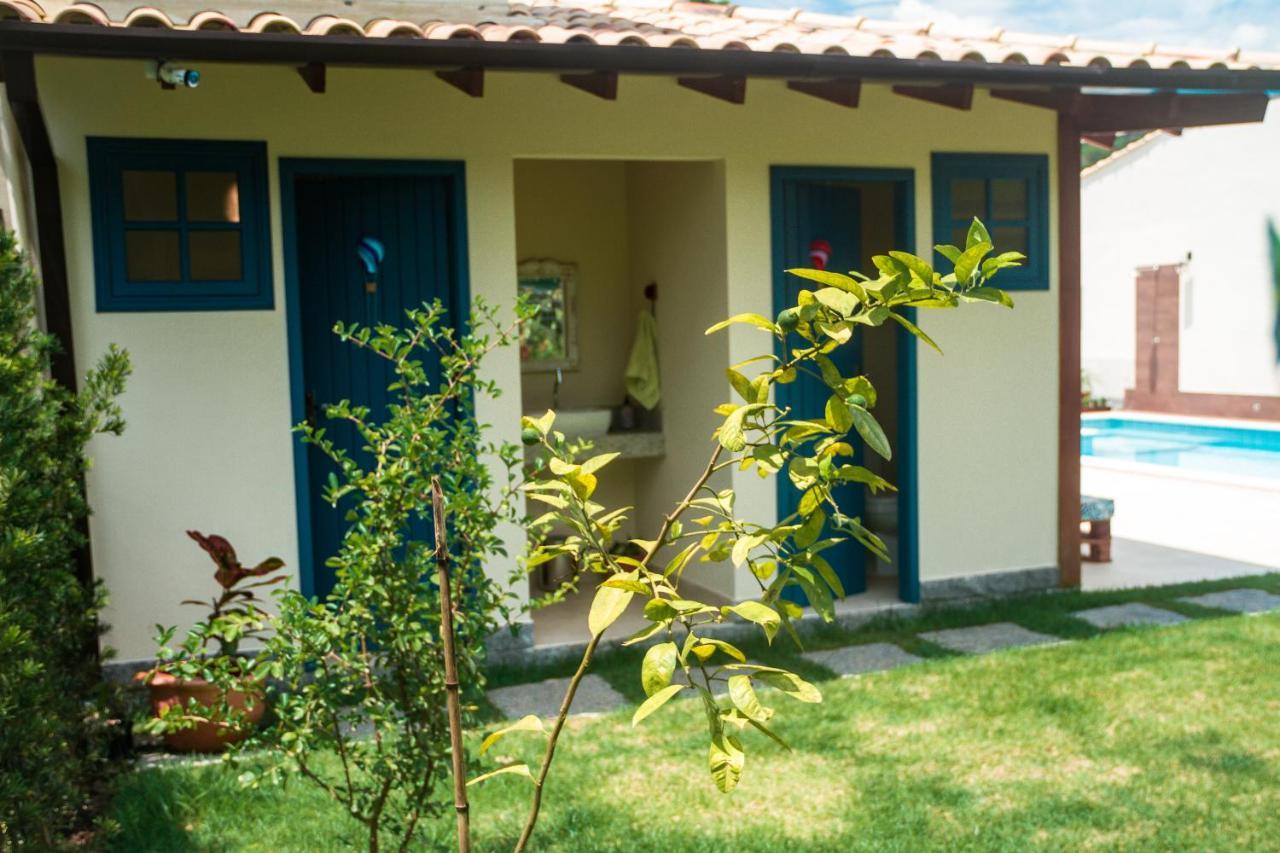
(172, 76)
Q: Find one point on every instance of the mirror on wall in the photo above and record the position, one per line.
(549, 340)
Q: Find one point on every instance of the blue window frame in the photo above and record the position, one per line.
(180, 225)
(1010, 194)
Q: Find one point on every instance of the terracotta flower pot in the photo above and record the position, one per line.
(213, 736)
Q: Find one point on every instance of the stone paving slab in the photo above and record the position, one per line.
(543, 698)
(1127, 615)
(855, 660)
(987, 638)
(1237, 600)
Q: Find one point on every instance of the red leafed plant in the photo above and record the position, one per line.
(236, 606)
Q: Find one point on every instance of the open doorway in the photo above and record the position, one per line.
(643, 240)
(838, 219)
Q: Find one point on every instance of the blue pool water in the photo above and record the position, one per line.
(1237, 451)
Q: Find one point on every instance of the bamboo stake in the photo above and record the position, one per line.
(451, 671)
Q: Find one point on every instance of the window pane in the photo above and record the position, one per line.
(959, 234)
(968, 198)
(214, 255)
(150, 196)
(1010, 238)
(213, 197)
(1009, 198)
(152, 256)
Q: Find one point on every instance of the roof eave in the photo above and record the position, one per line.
(292, 49)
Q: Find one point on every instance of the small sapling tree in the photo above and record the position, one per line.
(815, 454)
(361, 712)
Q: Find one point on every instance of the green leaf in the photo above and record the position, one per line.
(655, 702)
(627, 584)
(761, 614)
(915, 330)
(970, 259)
(732, 433)
(561, 467)
(744, 698)
(742, 547)
(832, 279)
(830, 373)
(595, 463)
(521, 769)
(791, 684)
(608, 605)
(869, 428)
(643, 634)
(728, 648)
(840, 301)
(542, 424)
(658, 667)
(991, 266)
(531, 723)
(828, 574)
(989, 294)
(750, 319)
(740, 384)
(977, 234)
(838, 414)
(951, 253)
(859, 474)
(919, 268)
(811, 529)
(582, 483)
(726, 758)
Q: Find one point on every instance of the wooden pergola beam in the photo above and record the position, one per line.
(1105, 141)
(313, 74)
(727, 87)
(468, 80)
(957, 96)
(845, 91)
(1099, 114)
(602, 84)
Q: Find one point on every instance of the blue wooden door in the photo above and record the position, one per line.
(412, 218)
(831, 212)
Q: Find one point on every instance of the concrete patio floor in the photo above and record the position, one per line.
(1135, 564)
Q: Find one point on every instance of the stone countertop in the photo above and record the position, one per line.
(634, 444)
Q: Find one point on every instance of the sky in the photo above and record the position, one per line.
(1251, 24)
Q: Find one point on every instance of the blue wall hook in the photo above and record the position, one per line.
(371, 253)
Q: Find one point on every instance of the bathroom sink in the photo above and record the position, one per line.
(583, 423)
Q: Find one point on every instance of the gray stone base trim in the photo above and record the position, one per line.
(994, 585)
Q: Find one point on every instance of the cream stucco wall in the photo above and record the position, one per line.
(1202, 200)
(208, 444)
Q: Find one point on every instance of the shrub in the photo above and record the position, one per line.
(51, 739)
(362, 670)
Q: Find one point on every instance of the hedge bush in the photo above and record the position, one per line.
(52, 736)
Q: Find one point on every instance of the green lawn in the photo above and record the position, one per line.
(1139, 739)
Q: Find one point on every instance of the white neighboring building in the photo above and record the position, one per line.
(1202, 199)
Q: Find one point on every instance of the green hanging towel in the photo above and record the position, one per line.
(641, 377)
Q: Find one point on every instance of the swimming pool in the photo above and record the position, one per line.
(1237, 451)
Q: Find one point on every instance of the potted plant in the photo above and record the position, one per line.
(206, 695)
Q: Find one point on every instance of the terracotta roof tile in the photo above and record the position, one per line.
(655, 23)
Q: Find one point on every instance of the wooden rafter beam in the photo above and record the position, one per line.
(602, 84)
(958, 96)
(1106, 113)
(727, 87)
(1099, 114)
(469, 80)
(1105, 141)
(844, 91)
(313, 74)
